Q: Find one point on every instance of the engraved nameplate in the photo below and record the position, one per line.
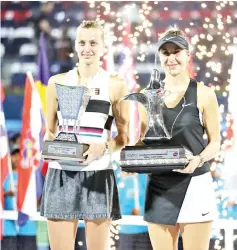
(62, 150)
(152, 154)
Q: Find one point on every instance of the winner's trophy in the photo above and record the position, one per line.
(66, 148)
(157, 152)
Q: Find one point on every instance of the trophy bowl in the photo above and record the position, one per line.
(67, 147)
(157, 152)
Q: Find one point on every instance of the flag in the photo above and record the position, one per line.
(29, 151)
(43, 71)
(41, 85)
(5, 159)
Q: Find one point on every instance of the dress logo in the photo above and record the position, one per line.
(203, 214)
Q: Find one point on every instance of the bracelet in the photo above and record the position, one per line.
(201, 161)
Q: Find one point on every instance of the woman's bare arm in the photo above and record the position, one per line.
(121, 113)
(211, 121)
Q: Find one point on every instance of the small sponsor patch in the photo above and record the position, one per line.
(97, 91)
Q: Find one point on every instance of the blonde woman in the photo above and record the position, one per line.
(89, 191)
(183, 201)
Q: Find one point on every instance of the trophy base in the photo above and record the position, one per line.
(63, 150)
(153, 158)
(150, 169)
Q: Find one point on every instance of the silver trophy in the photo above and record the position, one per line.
(66, 147)
(157, 153)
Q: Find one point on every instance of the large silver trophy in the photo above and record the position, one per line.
(66, 147)
(157, 152)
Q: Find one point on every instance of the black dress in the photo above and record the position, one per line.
(166, 190)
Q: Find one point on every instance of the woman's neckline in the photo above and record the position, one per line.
(90, 80)
(180, 99)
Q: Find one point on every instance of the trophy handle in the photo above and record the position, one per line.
(139, 97)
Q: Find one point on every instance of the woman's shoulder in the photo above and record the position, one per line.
(206, 94)
(115, 79)
(116, 82)
(204, 90)
(59, 78)
(117, 88)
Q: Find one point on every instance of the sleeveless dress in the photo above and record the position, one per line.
(173, 197)
(85, 191)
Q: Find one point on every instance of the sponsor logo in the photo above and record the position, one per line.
(168, 38)
(204, 214)
(189, 104)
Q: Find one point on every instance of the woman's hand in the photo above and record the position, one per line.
(94, 152)
(194, 162)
